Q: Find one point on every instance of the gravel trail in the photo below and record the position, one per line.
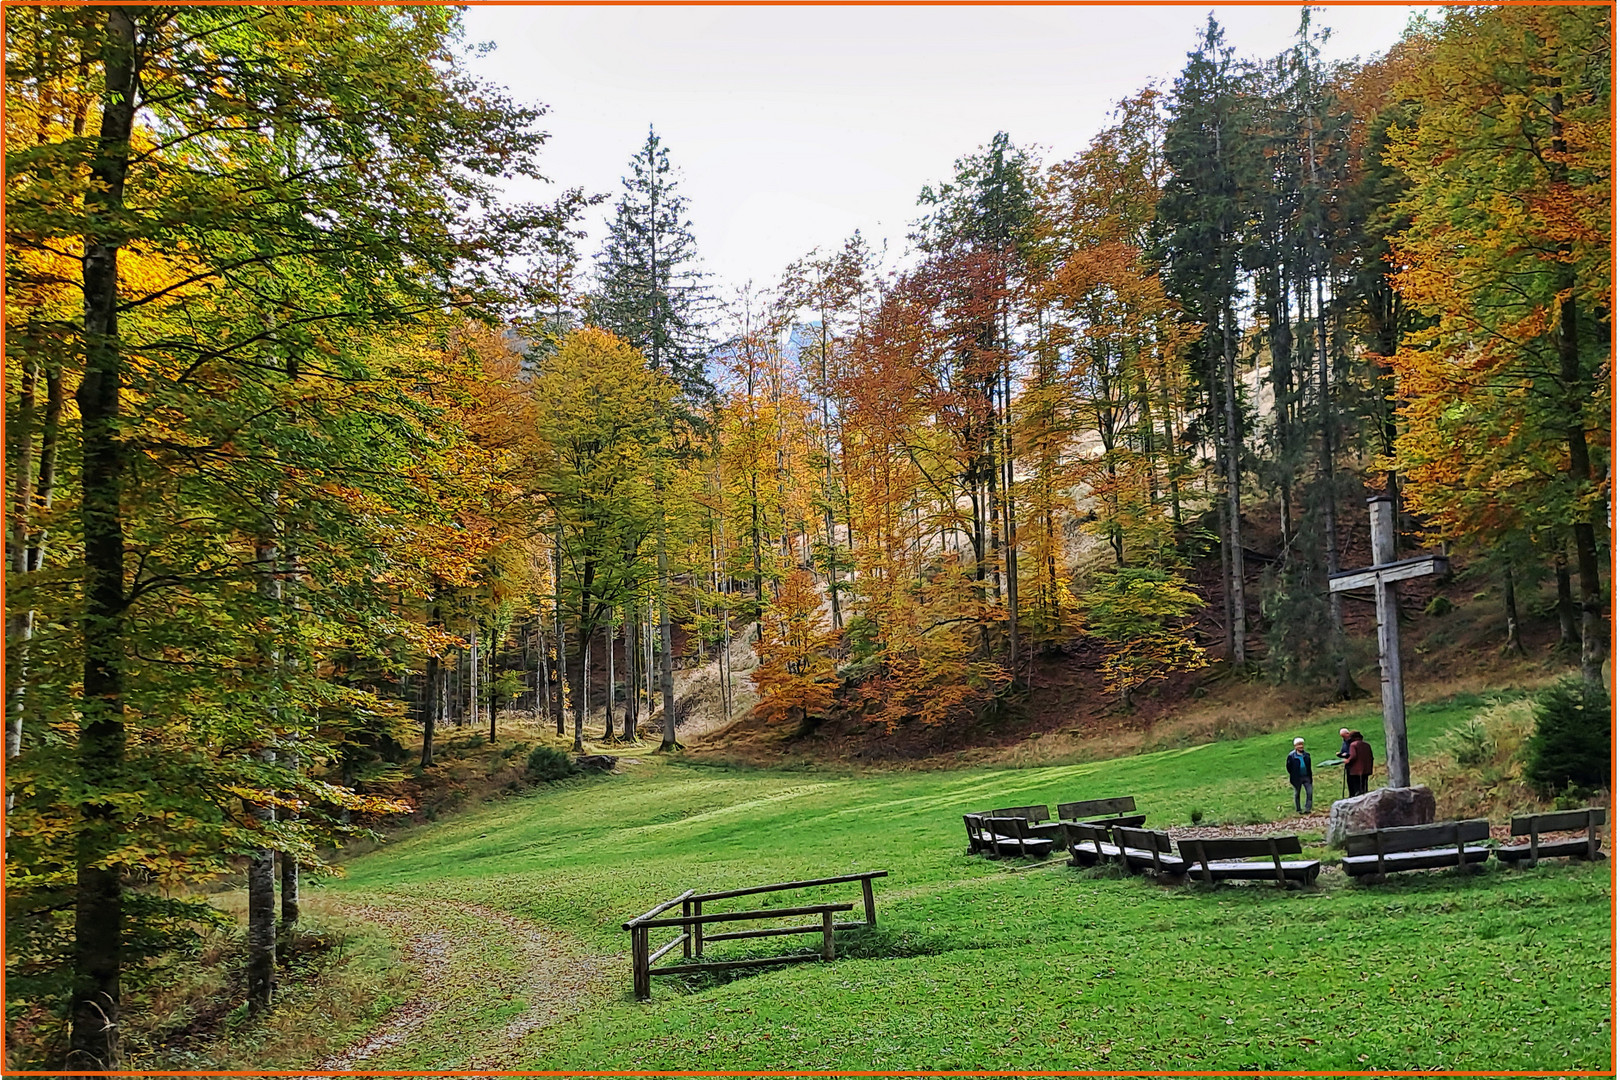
(473, 965)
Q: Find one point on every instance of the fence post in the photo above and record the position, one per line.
(826, 935)
(696, 930)
(686, 913)
(639, 966)
(871, 906)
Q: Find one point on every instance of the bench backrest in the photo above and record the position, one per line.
(975, 826)
(1417, 837)
(1028, 813)
(1068, 811)
(1563, 821)
(1145, 839)
(1200, 853)
(1014, 828)
(1075, 833)
(1225, 848)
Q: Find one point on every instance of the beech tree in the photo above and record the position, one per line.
(1509, 250)
(246, 195)
(601, 416)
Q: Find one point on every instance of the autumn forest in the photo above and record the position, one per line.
(317, 442)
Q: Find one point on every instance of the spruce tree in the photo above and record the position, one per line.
(650, 291)
(1216, 166)
(651, 294)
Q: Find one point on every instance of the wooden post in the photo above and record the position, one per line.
(866, 897)
(1591, 835)
(826, 935)
(697, 930)
(1382, 512)
(686, 913)
(639, 967)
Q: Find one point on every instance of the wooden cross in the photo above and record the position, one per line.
(1382, 576)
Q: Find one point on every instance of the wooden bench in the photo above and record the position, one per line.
(1416, 847)
(1228, 859)
(1147, 851)
(996, 836)
(1121, 811)
(1036, 822)
(1589, 846)
(1089, 845)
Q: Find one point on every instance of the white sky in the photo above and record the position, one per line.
(791, 127)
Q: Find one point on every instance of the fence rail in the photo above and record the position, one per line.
(692, 922)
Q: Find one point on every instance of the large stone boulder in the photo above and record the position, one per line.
(1382, 809)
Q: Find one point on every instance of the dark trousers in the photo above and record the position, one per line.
(1310, 790)
(1358, 784)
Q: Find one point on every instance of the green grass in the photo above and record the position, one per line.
(1002, 965)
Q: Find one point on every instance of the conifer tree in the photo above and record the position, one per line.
(1214, 165)
(651, 294)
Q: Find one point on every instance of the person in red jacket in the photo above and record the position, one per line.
(1358, 764)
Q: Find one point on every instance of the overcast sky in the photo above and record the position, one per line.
(793, 126)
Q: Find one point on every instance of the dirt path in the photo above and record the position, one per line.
(485, 981)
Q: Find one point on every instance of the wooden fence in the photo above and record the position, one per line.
(693, 937)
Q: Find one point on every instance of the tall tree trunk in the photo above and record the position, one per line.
(607, 727)
(544, 692)
(666, 639)
(1234, 505)
(832, 487)
(20, 625)
(19, 622)
(1510, 607)
(582, 672)
(1012, 506)
(1569, 631)
(1344, 687)
(472, 672)
(98, 925)
(432, 701)
(261, 876)
(562, 676)
(1594, 632)
(289, 895)
(632, 674)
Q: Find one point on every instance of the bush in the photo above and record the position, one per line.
(546, 765)
(1470, 743)
(1570, 746)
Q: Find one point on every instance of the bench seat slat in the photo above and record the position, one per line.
(1547, 849)
(1428, 859)
(1142, 859)
(1243, 870)
(1090, 853)
(1037, 846)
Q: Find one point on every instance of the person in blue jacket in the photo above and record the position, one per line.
(1299, 774)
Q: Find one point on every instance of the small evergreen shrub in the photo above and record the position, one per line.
(1470, 743)
(1570, 746)
(1439, 606)
(546, 765)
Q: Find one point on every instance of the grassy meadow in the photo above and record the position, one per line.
(981, 964)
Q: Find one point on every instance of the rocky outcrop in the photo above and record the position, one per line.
(1382, 809)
